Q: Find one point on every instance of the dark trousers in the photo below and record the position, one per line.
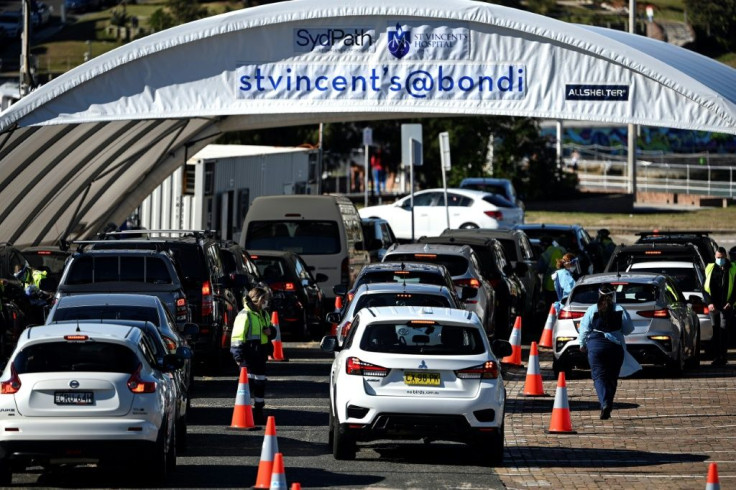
(253, 356)
(722, 324)
(605, 358)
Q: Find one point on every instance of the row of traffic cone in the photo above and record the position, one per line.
(271, 466)
(515, 338)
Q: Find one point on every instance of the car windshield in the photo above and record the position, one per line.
(304, 237)
(51, 357)
(685, 278)
(498, 200)
(270, 268)
(565, 238)
(480, 186)
(401, 299)
(39, 260)
(106, 312)
(421, 339)
(626, 293)
(401, 276)
(88, 269)
(456, 264)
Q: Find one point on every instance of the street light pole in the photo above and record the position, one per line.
(26, 82)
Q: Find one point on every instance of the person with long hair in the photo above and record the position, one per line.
(564, 277)
(602, 331)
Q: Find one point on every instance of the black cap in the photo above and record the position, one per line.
(604, 232)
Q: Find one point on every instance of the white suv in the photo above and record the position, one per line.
(87, 393)
(417, 373)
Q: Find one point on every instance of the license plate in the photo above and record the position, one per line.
(73, 398)
(421, 378)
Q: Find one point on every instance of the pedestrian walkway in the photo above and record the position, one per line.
(663, 432)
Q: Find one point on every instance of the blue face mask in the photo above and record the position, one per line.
(720, 262)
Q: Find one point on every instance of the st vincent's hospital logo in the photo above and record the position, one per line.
(399, 41)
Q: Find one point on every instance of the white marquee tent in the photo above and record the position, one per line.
(85, 149)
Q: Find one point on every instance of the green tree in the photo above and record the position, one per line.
(185, 11)
(715, 19)
(160, 20)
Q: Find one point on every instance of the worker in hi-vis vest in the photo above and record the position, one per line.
(250, 343)
(720, 296)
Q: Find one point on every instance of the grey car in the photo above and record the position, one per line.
(464, 267)
(115, 308)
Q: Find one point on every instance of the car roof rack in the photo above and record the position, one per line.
(668, 233)
(148, 233)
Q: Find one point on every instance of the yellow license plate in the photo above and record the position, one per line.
(421, 378)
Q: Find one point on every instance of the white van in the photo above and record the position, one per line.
(324, 230)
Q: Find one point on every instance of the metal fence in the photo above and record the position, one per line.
(704, 174)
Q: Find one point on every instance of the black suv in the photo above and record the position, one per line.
(573, 238)
(625, 255)
(510, 292)
(701, 239)
(241, 272)
(211, 294)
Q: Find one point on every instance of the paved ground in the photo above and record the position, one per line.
(663, 432)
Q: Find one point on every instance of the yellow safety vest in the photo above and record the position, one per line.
(731, 276)
(38, 276)
(248, 326)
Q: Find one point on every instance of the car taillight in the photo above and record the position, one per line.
(570, 315)
(169, 343)
(206, 298)
(495, 283)
(487, 370)
(701, 309)
(12, 385)
(497, 215)
(137, 385)
(662, 313)
(283, 286)
(472, 282)
(181, 308)
(359, 368)
(345, 329)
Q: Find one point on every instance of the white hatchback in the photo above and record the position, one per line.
(87, 393)
(466, 209)
(417, 373)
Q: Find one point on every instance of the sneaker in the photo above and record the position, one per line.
(606, 413)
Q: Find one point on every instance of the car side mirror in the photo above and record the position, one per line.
(184, 352)
(340, 289)
(468, 292)
(329, 344)
(172, 362)
(501, 348)
(321, 277)
(333, 317)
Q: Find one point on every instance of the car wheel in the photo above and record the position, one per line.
(496, 447)
(181, 435)
(343, 445)
(6, 474)
(156, 464)
(171, 450)
(469, 226)
(331, 433)
(694, 361)
(676, 366)
(489, 448)
(559, 367)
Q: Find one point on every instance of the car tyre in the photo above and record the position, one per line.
(694, 361)
(6, 474)
(676, 366)
(171, 450)
(559, 367)
(156, 465)
(331, 432)
(489, 447)
(496, 447)
(181, 435)
(469, 226)
(343, 445)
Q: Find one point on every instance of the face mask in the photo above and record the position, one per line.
(720, 262)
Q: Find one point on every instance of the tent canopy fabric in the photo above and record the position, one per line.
(85, 149)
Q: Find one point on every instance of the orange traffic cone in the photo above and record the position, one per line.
(278, 348)
(560, 422)
(533, 385)
(713, 483)
(338, 307)
(296, 486)
(515, 340)
(546, 339)
(278, 477)
(268, 450)
(243, 412)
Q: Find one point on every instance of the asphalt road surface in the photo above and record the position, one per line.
(663, 434)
